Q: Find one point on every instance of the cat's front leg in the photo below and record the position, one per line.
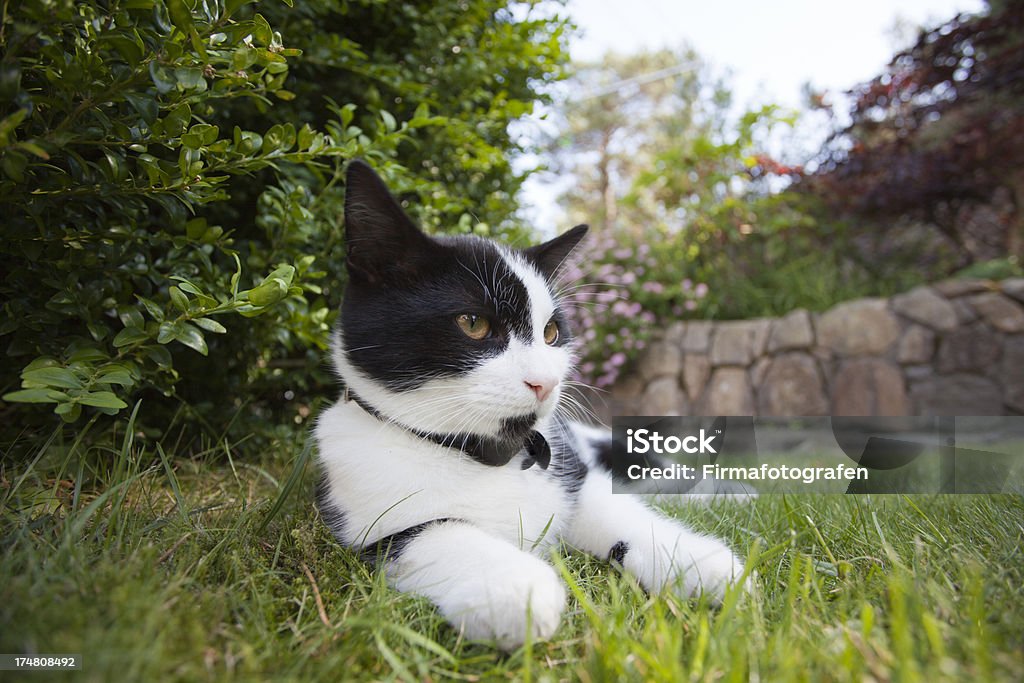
(660, 552)
(485, 586)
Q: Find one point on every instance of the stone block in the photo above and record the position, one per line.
(869, 386)
(957, 395)
(660, 359)
(697, 337)
(923, 305)
(696, 370)
(1014, 288)
(664, 396)
(917, 345)
(738, 342)
(792, 385)
(793, 331)
(729, 393)
(864, 326)
(676, 333)
(965, 313)
(627, 387)
(1001, 312)
(969, 349)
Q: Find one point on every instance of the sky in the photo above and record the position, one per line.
(769, 48)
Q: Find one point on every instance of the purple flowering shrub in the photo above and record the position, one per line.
(621, 290)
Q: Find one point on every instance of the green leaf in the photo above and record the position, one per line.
(284, 272)
(118, 377)
(10, 122)
(151, 307)
(190, 79)
(270, 292)
(178, 298)
(69, 412)
(181, 16)
(190, 336)
(168, 332)
(261, 30)
(130, 316)
(210, 325)
(34, 149)
(236, 276)
(160, 356)
(51, 377)
(130, 335)
(176, 121)
(192, 141)
(162, 78)
(14, 165)
(195, 228)
(306, 137)
(31, 396)
(102, 399)
(145, 105)
(88, 354)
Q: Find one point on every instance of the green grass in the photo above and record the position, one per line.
(157, 567)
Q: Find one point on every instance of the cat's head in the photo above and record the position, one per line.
(449, 335)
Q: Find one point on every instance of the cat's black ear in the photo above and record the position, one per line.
(381, 241)
(550, 256)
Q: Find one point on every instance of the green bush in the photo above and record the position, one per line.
(171, 182)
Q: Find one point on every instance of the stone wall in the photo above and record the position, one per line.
(956, 347)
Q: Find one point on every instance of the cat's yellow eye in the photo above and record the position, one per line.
(551, 332)
(474, 326)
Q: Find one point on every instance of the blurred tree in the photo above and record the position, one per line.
(938, 137)
(616, 115)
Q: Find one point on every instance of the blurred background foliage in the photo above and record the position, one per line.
(171, 185)
(706, 210)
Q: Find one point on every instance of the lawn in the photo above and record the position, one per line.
(156, 567)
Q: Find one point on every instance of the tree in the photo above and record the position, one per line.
(938, 137)
(616, 113)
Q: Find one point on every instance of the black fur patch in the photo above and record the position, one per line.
(403, 335)
(618, 461)
(391, 547)
(603, 453)
(618, 553)
(332, 515)
(406, 290)
(566, 464)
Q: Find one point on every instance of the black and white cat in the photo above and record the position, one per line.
(448, 459)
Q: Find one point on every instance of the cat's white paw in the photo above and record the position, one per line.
(688, 564)
(520, 592)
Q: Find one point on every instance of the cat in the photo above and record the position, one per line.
(448, 460)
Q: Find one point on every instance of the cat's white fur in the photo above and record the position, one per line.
(485, 572)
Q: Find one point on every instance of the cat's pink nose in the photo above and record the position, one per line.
(542, 388)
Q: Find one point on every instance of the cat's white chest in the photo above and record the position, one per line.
(386, 480)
